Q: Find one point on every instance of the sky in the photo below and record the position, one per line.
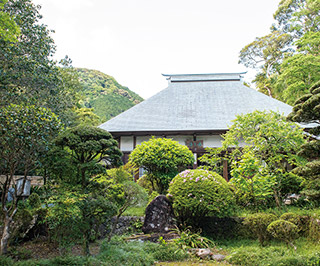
(136, 41)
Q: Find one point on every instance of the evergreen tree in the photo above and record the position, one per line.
(307, 110)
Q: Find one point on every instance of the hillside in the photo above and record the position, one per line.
(105, 94)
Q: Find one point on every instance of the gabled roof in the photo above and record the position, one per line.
(195, 102)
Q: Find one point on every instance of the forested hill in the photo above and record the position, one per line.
(105, 94)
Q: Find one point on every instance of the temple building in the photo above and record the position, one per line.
(195, 109)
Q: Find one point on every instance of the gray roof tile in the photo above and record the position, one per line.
(195, 102)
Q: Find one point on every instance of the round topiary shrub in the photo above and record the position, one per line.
(199, 193)
(294, 218)
(257, 223)
(283, 231)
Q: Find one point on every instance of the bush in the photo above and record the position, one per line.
(271, 256)
(257, 223)
(314, 228)
(294, 218)
(21, 225)
(6, 261)
(200, 193)
(144, 181)
(284, 231)
(152, 196)
(163, 159)
(34, 201)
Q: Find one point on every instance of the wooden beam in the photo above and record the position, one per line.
(225, 170)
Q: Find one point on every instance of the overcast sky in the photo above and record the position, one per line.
(135, 41)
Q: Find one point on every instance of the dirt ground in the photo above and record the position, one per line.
(42, 249)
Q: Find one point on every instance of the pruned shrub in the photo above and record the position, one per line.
(257, 223)
(314, 228)
(284, 231)
(199, 193)
(295, 219)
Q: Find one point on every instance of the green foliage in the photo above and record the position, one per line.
(162, 159)
(152, 196)
(34, 201)
(118, 251)
(29, 74)
(25, 135)
(299, 71)
(294, 218)
(284, 231)
(117, 187)
(9, 30)
(86, 116)
(252, 187)
(73, 216)
(257, 223)
(199, 193)
(145, 182)
(273, 255)
(213, 159)
(287, 59)
(21, 224)
(105, 94)
(6, 261)
(167, 252)
(314, 228)
(189, 239)
(272, 145)
(307, 110)
(88, 146)
(125, 253)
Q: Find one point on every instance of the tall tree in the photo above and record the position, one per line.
(278, 55)
(272, 144)
(88, 146)
(25, 133)
(307, 110)
(29, 74)
(9, 30)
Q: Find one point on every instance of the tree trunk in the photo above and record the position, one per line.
(113, 227)
(83, 178)
(5, 235)
(86, 249)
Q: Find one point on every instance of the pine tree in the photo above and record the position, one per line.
(307, 110)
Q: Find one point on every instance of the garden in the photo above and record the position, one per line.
(88, 210)
(267, 214)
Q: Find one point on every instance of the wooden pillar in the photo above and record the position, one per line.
(225, 170)
(134, 142)
(136, 176)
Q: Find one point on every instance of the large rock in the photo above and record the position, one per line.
(159, 216)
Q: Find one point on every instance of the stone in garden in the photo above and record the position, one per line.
(218, 257)
(204, 253)
(159, 216)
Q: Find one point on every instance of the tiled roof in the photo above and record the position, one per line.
(195, 102)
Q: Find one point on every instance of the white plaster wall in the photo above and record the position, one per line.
(181, 138)
(141, 139)
(211, 141)
(126, 143)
